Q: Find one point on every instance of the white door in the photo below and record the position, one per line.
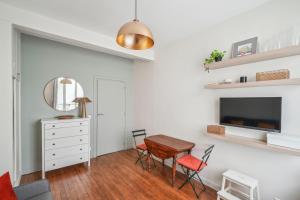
(110, 116)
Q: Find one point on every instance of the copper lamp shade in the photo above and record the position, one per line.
(135, 35)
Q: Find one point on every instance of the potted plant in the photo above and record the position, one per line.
(215, 56)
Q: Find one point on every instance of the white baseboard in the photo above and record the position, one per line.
(18, 181)
(211, 184)
(30, 171)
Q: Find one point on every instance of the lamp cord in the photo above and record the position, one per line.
(135, 11)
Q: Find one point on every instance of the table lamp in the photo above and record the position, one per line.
(82, 101)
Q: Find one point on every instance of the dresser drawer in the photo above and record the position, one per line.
(66, 132)
(66, 124)
(66, 161)
(66, 151)
(66, 142)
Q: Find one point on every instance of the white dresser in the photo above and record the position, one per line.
(65, 143)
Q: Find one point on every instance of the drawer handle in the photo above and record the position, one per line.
(53, 164)
(80, 149)
(53, 154)
(80, 158)
(53, 144)
(80, 130)
(80, 123)
(53, 126)
(53, 133)
(80, 140)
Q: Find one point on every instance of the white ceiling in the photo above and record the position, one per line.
(169, 20)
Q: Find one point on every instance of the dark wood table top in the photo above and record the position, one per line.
(177, 145)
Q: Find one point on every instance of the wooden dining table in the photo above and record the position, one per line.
(164, 147)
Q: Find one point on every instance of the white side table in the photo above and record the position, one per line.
(242, 181)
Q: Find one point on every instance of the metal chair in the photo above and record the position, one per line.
(193, 166)
(141, 149)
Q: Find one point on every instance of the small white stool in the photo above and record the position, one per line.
(241, 181)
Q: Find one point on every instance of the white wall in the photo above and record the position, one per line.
(16, 71)
(41, 61)
(170, 97)
(11, 17)
(6, 133)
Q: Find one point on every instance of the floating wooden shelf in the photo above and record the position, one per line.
(269, 55)
(294, 81)
(254, 143)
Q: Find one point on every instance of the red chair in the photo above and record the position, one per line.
(193, 166)
(141, 149)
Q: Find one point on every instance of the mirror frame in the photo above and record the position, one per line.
(52, 80)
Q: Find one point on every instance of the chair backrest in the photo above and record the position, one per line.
(206, 155)
(138, 133)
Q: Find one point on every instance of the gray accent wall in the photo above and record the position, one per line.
(43, 60)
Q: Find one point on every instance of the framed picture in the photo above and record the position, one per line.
(244, 48)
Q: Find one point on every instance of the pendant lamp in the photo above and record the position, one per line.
(135, 35)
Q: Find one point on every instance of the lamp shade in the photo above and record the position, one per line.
(82, 100)
(135, 35)
(66, 81)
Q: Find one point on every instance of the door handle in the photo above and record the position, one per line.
(100, 114)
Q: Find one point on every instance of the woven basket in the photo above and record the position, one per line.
(216, 129)
(273, 75)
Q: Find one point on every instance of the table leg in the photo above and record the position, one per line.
(174, 171)
(148, 161)
(163, 162)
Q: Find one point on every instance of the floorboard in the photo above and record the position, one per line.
(115, 176)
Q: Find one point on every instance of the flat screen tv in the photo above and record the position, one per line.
(262, 113)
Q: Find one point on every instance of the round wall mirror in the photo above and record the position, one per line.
(60, 92)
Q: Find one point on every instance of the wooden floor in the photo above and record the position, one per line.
(115, 176)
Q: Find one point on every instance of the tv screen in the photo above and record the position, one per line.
(262, 113)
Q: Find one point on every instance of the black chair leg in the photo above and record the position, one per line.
(194, 189)
(204, 188)
(142, 163)
(153, 160)
(187, 180)
(137, 160)
(192, 184)
(140, 157)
